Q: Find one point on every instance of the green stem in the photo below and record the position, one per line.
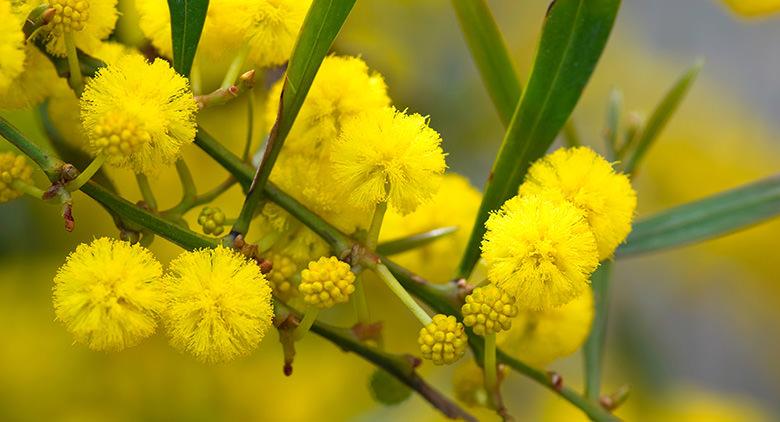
(308, 320)
(250, 124)
(189, 191)
(491, 377)
(360, 302)
(402, 294)
(28, 189)
(76, 81)
(235, 66)
(86, 175)
(51, 166)
(376, 225)
(593, 350)
(146, 190)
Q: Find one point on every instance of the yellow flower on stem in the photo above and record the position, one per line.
(443, 340)
(86, 21)
(540, 251)
(138, 114)
(219, 304)
(109, 294)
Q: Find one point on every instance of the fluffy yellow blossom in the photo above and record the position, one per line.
(539, 250)
(109, 294)
(327, 282)
(753, 7)
(443, 341)
(282, 275)
(488, 309)
(219, 304)
(587, 180)
(11, 45)
(387, 155)
(540, 337)
(270, 28)
(13, 168)
(33, 84)
(87, 21)
(437, 261)
(138, 114)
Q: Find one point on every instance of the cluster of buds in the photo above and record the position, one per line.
(212, 220)
(327, 282)
(489, 309)
(443, 341)
(13, 168)
(282, 275)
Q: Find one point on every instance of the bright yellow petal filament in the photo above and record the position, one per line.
(138, 114)
(109, 294)
(587, 180)
(540, 251)
(219, 304)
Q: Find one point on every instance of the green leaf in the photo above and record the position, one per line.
(593, 350)
(661, 115)
(187, 18)
(395, 246)
(705, 219)
(323, 22)
(490, 55)
(573, 37)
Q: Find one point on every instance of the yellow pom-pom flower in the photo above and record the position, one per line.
(327, 282)
(488, 309)
(282, 275)
(753, 7)
(87, 21)
(436, 261)
(109, 294)
(270, 28)
(138, 114)
(11, 45)
(540, 251)
(540, 337)
(388, 155)
(219, 304)
(587, 180)
(13, 168)
(443, 341)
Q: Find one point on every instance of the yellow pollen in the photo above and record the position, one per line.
(118, 137)
(69, 15)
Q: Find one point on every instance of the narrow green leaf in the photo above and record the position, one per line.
(490, 55)
(705, 219)
(593, 350)
(395, 246)
(187, 18)
(323, 22)
(573, 37)
(661, 115)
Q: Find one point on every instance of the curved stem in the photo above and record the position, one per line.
(76, 81)
(28, 189)
(189, 191)
(308, 320)
(491, 378)
(235, 66)
(86, 175)
(376, 225)
(250, 125)
(360, 302)
(146, 190)
(402, 294)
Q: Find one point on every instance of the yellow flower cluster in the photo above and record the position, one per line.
(388, 155)
(138, 114)
(488, 309)
(573, 210)
(11, 45)
(327, 282)
(216, 304)
(219, 304)
(282, 276)
(13, 168)
(87, 21)
(539, 337)
(109, 294)
(212, 220)
(443, 341)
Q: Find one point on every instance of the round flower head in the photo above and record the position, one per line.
(540, 337)
(327, 282)
(11, 45)
(540, 251)
(88, 21)
(282, 275)
(587, 180)
(219, 304)
(138, 114)
(13, 168)
(488, 309)
(270, 27)
(212, 220)
(753, 7)
(387, 155)
(443, 341)
(109, 294)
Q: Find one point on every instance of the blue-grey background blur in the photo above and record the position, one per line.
(694, 326)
